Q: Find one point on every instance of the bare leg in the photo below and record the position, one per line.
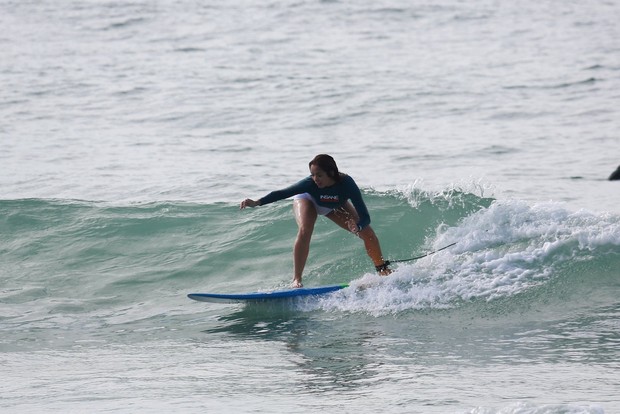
(371, 242)
(305, 215)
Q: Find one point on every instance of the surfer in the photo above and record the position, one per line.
(332, 194)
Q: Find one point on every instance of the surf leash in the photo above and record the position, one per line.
(419, 257)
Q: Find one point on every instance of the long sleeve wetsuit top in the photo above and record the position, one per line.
(332, 197)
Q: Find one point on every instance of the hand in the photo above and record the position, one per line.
(353, 227)
(249, 203)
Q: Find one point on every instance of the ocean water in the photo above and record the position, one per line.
(131, 130)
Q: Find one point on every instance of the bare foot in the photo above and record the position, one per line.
(296, 284)
(385, 272)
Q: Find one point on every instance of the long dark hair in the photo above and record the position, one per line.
(327, 164)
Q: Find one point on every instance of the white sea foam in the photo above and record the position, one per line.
(501, 251)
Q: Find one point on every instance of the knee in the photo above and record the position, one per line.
(304, 232)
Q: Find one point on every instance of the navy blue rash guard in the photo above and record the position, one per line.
(331, 197)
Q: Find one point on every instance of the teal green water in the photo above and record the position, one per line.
(76, 259)
(527, 292)
(52, 242)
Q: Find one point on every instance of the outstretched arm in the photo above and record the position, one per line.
(300, 187)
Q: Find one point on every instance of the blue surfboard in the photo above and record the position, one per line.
(264, 296)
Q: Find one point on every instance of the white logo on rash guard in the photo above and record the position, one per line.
(329, 198)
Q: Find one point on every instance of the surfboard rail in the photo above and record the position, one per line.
(265, 296)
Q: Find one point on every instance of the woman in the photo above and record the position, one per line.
(326, 192)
